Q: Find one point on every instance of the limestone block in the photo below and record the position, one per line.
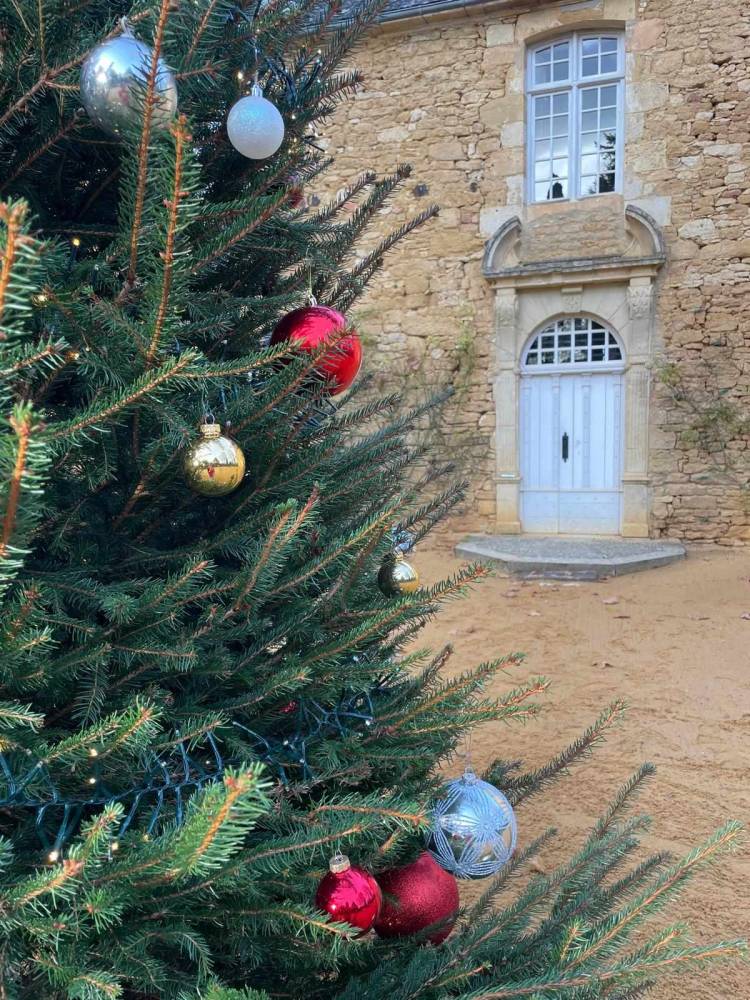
(647, 95)
(513, 134)
(397, 133)
(646, 35)
(701, 230)
(450, 150)
(500, 34)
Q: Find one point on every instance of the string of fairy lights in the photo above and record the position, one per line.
(169, 779)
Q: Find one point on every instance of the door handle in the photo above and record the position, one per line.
(565, 442)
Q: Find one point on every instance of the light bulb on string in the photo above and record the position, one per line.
(53, 856)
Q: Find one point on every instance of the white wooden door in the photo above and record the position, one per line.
(571, 453)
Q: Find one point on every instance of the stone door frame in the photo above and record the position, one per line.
(617, 291)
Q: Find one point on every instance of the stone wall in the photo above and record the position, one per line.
(447, 95)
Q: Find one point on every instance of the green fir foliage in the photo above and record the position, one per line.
(158, 649)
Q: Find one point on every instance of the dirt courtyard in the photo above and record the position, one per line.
(673, 643)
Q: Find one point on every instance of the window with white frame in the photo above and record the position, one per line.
(576, 340)
(575, 108)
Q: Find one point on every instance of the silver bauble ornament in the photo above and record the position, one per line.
(255, 126)
(113, 84)
(473, 830)
(214, 464)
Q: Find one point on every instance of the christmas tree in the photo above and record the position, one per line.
(206, 693)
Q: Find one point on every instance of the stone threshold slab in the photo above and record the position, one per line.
(555, 558)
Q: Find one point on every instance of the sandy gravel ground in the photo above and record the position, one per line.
(673, 643)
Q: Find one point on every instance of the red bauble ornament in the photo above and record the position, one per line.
(415, 897)
(312, 327)
(349, 894)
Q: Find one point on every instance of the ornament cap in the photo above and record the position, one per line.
(339, 863)
(210, 430)
(256, 90)
(469, 776)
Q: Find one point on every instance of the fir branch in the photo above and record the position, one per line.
(150, 101)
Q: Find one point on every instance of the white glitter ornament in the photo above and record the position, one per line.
(114, 77)
(255, 126)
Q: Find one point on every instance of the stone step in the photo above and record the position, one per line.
(556, 558)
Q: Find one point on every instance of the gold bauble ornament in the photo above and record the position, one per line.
(397, 577)
(214, 464)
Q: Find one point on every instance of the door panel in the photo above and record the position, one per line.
(580, 493)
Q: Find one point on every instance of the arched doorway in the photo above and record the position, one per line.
(571, 429)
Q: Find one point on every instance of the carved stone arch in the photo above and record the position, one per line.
(645, 236)
(503, 249)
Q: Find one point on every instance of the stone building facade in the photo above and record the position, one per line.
(591, 161)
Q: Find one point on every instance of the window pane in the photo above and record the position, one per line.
(542, 171)
(597, 337)
(541, 128)
(582, 354)
(615, 354)
(606, 183)
(531, 359)
(548, 357)
(548, 340)
(560, 146)
(541, 191)
(597, 354)
(560, 125)
(581, 324)
(609, 63)
(582, 339)
(607, 140)
(564, 357)
(560, 104)
(542, 74)
(589, 142)
(609, 44)
(561, 51)
(590, 46)
(564, 339)
(613, 340)
(543, 56)
(542, 106)
(589, 98)
(542, 149)
(589, 185)
(608, 118)
(608, 97)
(535, 345)
(589, 121)
(563, 324)
(590, 66)
(589, 164)
(561, 71)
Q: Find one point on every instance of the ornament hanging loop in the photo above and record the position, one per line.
(311, 300)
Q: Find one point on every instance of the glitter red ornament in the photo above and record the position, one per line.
(311, 328)
(415, 897)
(349, 894)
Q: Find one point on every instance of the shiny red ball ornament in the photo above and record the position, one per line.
(415, 897)
(349, 894)
(312, 327)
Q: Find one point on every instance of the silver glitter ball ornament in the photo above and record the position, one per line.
(113, 84)
(255, 126)
(473, 830)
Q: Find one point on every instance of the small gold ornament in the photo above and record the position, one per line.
(214, 464)
(397, 577)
